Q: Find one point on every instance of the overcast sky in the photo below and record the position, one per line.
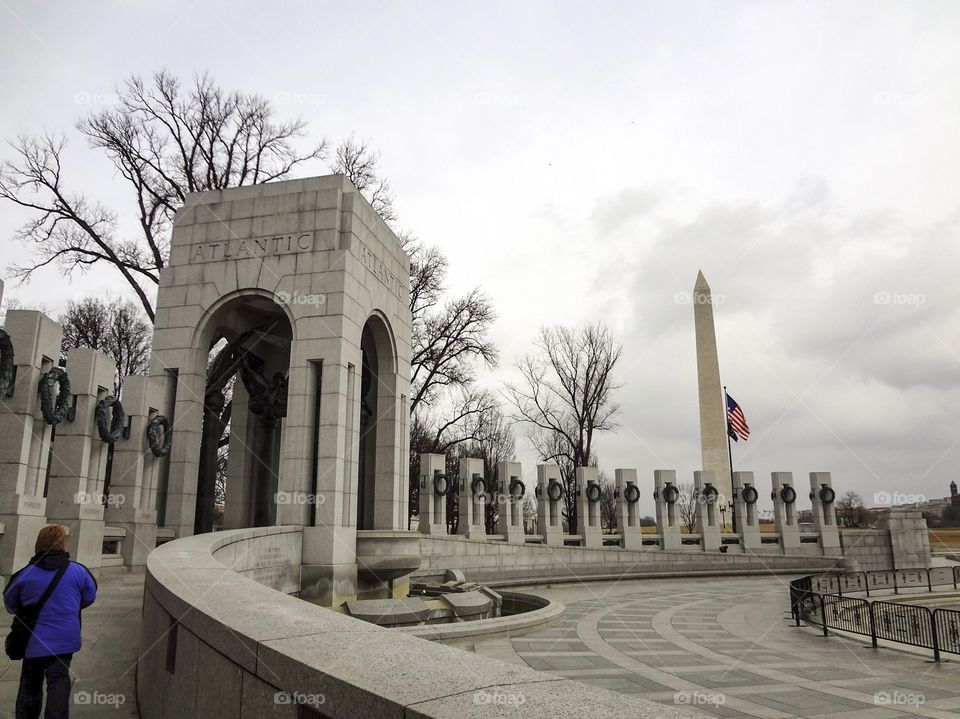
(583, 161)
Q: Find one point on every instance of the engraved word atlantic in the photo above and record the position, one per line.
(380, 271)
(254, 247)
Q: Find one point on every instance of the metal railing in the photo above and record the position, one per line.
(820, 600)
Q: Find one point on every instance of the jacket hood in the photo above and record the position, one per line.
(50, 560)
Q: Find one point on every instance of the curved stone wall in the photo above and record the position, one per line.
(502, 564)
(217, 644)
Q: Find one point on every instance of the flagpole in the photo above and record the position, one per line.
(733, 505)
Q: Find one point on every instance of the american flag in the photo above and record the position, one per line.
(737, 426)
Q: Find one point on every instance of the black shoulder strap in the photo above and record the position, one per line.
(50, 587)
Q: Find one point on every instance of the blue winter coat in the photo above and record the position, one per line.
(58, 627)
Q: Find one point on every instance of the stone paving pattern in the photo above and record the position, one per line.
(727, 647)
(686, 639)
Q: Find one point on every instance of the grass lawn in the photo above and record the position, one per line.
(945, 540)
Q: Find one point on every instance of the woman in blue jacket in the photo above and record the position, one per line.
(56, 635)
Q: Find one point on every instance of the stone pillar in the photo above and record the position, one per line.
(186, 410)
(549, 510)
(909, 538)
(666, 493)
(628, 496)
(512, 491)
(329, 571)
(707, 510)
(133, 474)
(25, 438)
(745, 496)
(822, 496)
(784, 496)
(433, 506)
(472, 496)
(588, 510)
(78, 463)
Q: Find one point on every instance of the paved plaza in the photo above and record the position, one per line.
(726, 646)
(105, 669)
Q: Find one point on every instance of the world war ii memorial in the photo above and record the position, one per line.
(269, 540)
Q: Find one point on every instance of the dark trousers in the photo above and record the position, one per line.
(56, 670)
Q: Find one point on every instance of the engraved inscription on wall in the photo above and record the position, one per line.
(235, 249)
(381, 272)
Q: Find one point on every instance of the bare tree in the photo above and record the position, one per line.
(449, 338)
(471, 424)
(165, 140)
(608, 504)
(220, 486)
(447, 344)
(852, 512)
(355, 159)
(565, 397)
(115, 327)
(468, 417)
(496, 445)
(687, 504)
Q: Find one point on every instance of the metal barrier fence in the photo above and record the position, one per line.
(819, 600)
(892, 579)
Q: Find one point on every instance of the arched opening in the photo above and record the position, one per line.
(244, 404)
(377, 408)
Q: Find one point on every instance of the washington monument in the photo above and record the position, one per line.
(713, 416)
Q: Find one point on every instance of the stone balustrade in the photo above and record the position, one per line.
(475, 492)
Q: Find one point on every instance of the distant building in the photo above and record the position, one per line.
(931, 508)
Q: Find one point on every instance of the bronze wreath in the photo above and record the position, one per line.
(827, 495)
(750, 494)
(632, 494)
(788, 494)
(555, 496)
(593, 491)
(514, 483)
(671, 494)
(158, 425)
(440, 485)
(110, 419)
(54, 411)
(6, 364)
(710, 494)
(478, 485)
